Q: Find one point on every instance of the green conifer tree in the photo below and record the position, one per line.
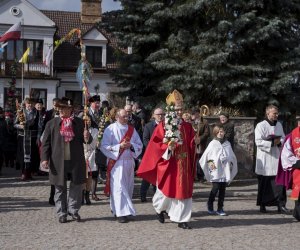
(237, 53)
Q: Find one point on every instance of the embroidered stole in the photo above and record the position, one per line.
(296, 172)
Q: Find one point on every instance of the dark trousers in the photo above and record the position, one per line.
(217, 187)
(281, 195)
(200, 173)
(101, 160)
(52, 192)
(270, 194)
(144, 188)
(68, 203)
(9, 158)
(1, 158)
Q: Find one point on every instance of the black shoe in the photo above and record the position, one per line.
(75, 216)
(184, 225)
(122, 219)
(82, 197)
(144, 199)
(87, 198)
(283, 210)
(296, 216)
(161, 217)
(62, 219)
(263, 209)
(51, 201)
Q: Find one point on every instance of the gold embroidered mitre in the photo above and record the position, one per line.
(175, 97)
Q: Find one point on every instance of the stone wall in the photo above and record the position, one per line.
(244, 146)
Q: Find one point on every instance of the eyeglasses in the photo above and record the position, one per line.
(160, 114)
(124, 116)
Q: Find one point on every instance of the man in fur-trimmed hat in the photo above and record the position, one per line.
(63, 154)
(95, 114)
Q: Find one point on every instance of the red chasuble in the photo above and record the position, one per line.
(296, 172)
(174, 177)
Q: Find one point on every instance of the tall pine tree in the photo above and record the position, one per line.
(238, 53)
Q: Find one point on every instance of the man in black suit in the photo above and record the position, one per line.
(136, 122)
(50, 114)
(158, 116)
(94, 111)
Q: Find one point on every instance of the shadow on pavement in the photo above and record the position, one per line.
(8, 204)
(224, 222)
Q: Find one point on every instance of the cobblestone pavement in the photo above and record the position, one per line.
(28, 222)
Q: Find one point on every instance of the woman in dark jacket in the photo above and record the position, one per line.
(228, 128)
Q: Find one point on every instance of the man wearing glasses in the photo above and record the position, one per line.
(158, 116)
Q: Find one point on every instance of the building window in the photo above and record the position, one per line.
(94, 56)
(37, 94)
(15, 50)
(18, 94)
(75, 96)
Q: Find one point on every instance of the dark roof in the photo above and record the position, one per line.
(67, 55)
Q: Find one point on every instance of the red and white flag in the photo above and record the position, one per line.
(48, 57)
(14, 33)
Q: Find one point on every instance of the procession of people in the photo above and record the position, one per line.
(171, 150)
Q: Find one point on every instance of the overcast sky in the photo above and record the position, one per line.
(71, 5)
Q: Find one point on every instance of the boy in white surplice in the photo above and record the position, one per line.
(219, 165)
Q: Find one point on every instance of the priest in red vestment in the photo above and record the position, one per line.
(171, 166)
(290, 163)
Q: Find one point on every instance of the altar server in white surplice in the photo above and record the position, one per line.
(269, 137)
(219, 165)
(121, 144)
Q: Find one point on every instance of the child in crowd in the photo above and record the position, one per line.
(219, 165)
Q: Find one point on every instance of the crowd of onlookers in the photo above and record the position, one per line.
(138, 117)
(21, 137)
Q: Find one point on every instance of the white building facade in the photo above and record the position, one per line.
(40, 30)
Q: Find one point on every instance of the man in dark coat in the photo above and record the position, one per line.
(158, 116)
(29, 132)
(138, 110)
(2, 136)
(136, 122)
(201, 127)
(62, 152)
(50, 114)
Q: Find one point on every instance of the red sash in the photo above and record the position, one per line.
(296, 172)
(111, 162)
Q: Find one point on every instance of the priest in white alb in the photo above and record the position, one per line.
(121, 144)
(269, 137)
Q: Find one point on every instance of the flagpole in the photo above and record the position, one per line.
(22, 74)
(22, 81)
